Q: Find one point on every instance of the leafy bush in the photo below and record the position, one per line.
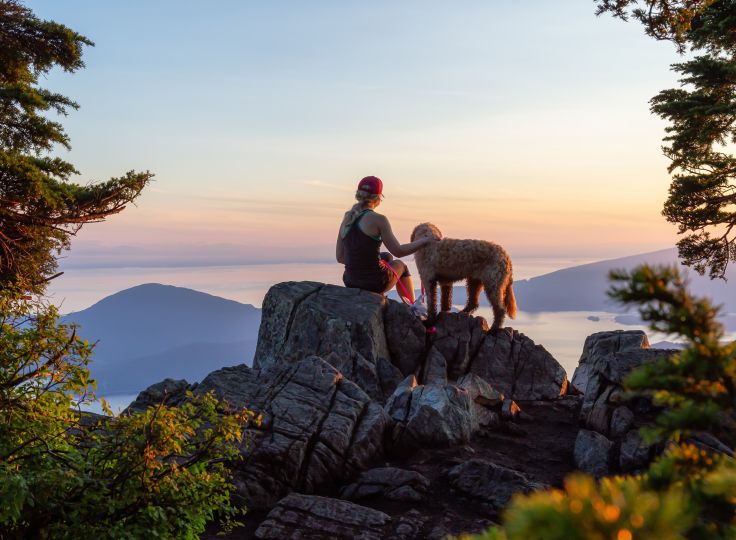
(66, 474)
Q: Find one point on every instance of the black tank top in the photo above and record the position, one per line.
(362, 261)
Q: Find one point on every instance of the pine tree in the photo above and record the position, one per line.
(40, 208)
(63, 473)
(702, 123)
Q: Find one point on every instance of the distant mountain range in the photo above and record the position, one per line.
(152, 331)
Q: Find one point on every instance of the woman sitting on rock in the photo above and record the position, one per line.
(359, 245)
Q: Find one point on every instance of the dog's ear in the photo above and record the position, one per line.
(435, 231)
(414, 233)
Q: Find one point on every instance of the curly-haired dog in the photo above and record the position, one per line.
(482, 264)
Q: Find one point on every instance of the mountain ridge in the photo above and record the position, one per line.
(153, 329)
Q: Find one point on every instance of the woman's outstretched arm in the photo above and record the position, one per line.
(392, 244)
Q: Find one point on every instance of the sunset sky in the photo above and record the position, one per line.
(525, 123)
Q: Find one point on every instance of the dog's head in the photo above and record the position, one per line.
(425, 230)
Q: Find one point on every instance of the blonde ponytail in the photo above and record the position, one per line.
(351, 215)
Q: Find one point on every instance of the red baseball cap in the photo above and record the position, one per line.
(371, 184)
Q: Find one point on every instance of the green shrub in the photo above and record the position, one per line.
(65, 474)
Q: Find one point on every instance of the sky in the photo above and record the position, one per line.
(525, 123)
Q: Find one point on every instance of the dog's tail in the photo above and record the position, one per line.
(509, 300)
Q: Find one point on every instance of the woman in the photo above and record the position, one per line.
(359, 241)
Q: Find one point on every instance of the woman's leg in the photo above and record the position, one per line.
(405, 279)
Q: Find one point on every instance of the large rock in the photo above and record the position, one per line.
(509, 361)
(522, 370)
(389, 482)
(299, 517)
(431, 415)
(169, 391)
(347, 325)
(458, 338)
(376, 342)
(489, 482)
(602, 344)
(318, 428)
(593, 453)
(607, 359)
(405, 336)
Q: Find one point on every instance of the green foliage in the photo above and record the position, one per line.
(615, 508)
(689, 491)
(698, 386)
(702, 123)
(662, 19)
(40, 208)
(66, 474)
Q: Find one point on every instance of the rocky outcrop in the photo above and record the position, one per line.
(372, 428)
(376, 343)
(599, 346)
(318, 428)
(611, 419)
(511, 362)
(347, 325)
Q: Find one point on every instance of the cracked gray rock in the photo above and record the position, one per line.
(603, 344)
(347, 325)
(430, 415)
(297, 517)
(318, 428)
(389, 482)
(607, 359)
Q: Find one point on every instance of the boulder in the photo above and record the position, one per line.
(458, 338)
(169, 391)
(489, 482)
(429, 415)
(435, 370)
(593, 453)
(318, 428)
(388, 482)
(405, 336)
(522, 370)
(602, 344)
(309, 516)
(509, 361)
(480, 391)
(300, 319)
(607, 359)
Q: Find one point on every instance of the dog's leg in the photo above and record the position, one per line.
(474, 287)
(432, 301)
(499, 313)
(446, 296)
